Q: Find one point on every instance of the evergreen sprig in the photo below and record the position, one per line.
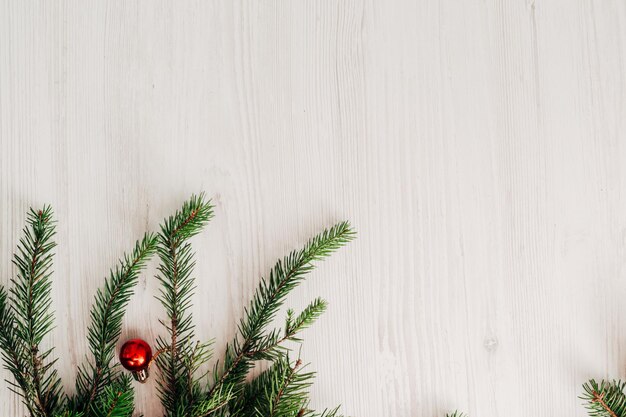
(279, 391)
(26, 318)
(254, 343)
(13, 354)
(214, 404)
(94, 379)
(102, 390)
(179, 386)
(117, 399)
(605, 399)
(309, 315)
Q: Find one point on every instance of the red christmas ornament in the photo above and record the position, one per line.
(135, 355)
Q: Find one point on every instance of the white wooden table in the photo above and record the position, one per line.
(478, 147)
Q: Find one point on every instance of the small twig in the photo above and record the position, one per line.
(599, 398)
(157, 354)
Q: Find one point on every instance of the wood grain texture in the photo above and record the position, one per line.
(477, 146)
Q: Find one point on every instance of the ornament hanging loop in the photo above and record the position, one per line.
(143, 374)
(156, 355)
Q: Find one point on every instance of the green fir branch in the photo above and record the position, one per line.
(606, 399)
(27, 319)
(104, 331)
(271, 343)
(309, 315)
(13, 355)
(268, 299)
(218, 401)
(117, 399)
(179, 389)
(192, 360)
(280, 391)
(102, 390)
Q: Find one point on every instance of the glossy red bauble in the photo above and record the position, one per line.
(135, 355)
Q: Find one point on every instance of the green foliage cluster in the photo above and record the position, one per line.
(25, 319)
(605, 399)
(280, 391)
(184, 390)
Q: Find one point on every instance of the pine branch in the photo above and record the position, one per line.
(102, 391)
(280, 391)
(178, 387)
(606, 399)
(104, 331)
(456, 414)
(13, 354)
(268, 299)
(28, 317)
(117, 399)
(309, 315)
(217, 402)
(270, 344)
(192, 360)
(289, 396)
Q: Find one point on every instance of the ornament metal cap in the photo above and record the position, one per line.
(141, 375)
